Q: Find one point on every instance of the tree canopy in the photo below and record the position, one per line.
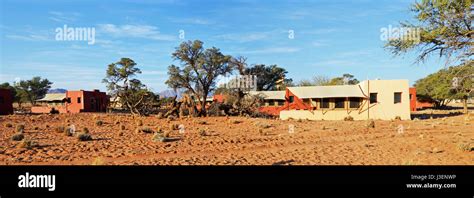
(444, 27)
(32, 90)
(198, 71)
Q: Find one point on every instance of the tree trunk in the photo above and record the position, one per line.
(464, 102)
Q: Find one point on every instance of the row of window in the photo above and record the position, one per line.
(397, 98)
(337, 103)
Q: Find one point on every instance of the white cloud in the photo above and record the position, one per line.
(196, 21)
(63, 17)
(272, 50)
(135, 31)
(31, 37)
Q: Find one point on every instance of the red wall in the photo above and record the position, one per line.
(6, 107)
(413, 99)
(91, 101)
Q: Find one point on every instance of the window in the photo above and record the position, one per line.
(397, 97)
(373, 98)
(354, 103)
(324, 103)
(2, 100)
(78, 99)
(339, 103)
(68, 100)
(411, 96)
(281, 102)
(306, 101)
(292, 98)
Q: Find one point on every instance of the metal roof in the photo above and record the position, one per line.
(335, 91)
(270, 95)
(53, 97)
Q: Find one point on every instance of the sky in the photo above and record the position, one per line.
(307, 38)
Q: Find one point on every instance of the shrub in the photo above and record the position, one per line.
(84, 137)
(348, 118)
(202, 132)
(60, 129)
(20, 128)
(36, 128)
(202, 122)
(18, 137)
(68, 131)
(139, 123)
(28, 144)
(466, 147)
(85, 130)
(122, 127)
(371, 124)
(174, 126)
(144, 130)
(9, 125)
(159, 115)
(157, 137)
(261, 132)
(99, 123)
(235, 121)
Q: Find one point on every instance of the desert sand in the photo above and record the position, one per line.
(237, 141)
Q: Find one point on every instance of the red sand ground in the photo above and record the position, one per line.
(252, 141)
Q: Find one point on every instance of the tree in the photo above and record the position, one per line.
(130, 92)
(438, 87)
(444, 28)
(324, 81)
(345, 79)
(199, 70)
(269, 77)
(32, 90)
(13, 91)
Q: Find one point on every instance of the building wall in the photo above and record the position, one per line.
(47, 109)
(6, 102)
(90, 101)
(413, 99)
(384, 109)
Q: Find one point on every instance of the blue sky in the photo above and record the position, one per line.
(330, 37)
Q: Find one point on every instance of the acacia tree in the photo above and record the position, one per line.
(445, 28)
(130, 92)
(268, 77)
(32, 90)
(199, 70)
(439, 87)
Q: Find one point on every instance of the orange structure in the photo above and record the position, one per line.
(413, 100)
(73, 102)
(6, 102)
(86, 101)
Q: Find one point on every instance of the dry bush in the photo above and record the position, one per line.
(202, 132)
(20, 128)
(122, 127)
(99, 122)
(201, 122)
(18, 137)
(174, 126)
(60, 129)
(371, 124)
(235, 121)
(85, 130)
(464, 146)
(84, 137)
(139, 122)
(27, 144)
(9, 125)
(144, 130)
(348, 118)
